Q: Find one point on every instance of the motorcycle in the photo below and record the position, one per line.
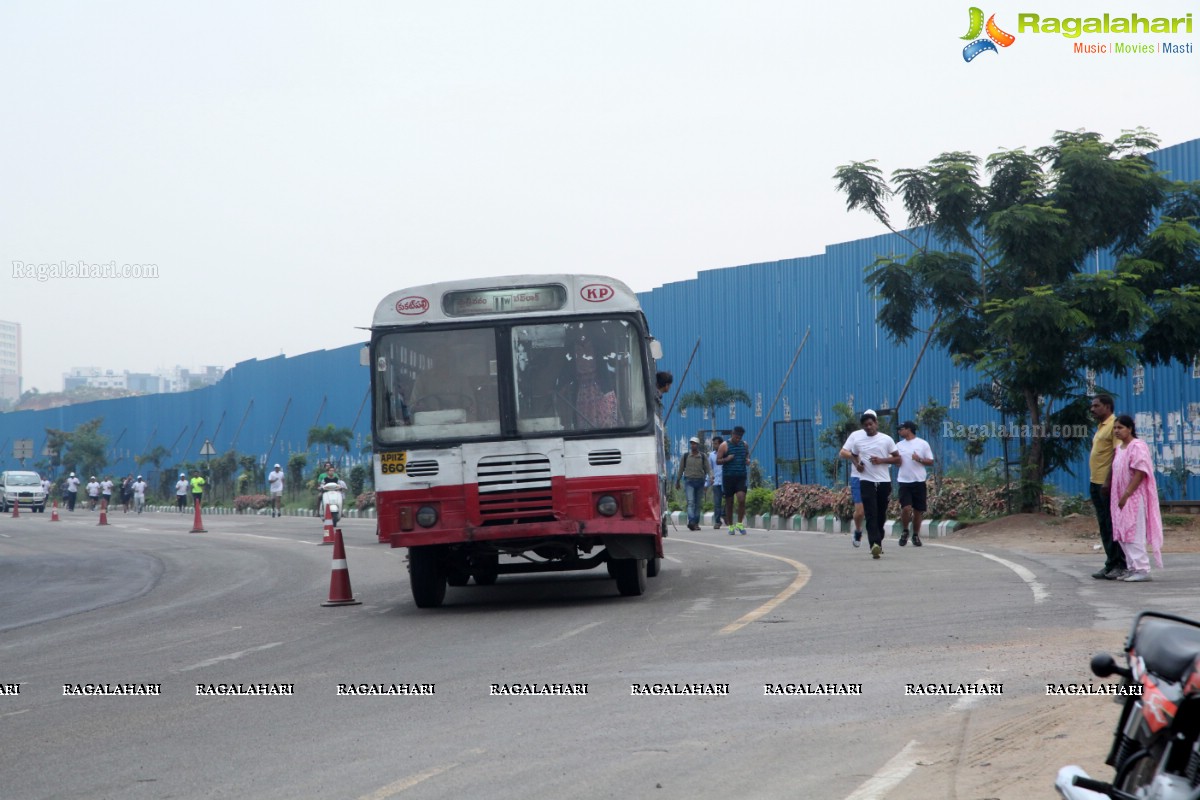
(1156, 745)
(332, 499)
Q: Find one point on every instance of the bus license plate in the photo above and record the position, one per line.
(392, 463)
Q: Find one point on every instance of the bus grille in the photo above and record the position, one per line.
(604, 458)
(515, 489)
(421, 469)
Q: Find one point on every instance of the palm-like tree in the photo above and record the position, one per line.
(331, 437)
(716, 393)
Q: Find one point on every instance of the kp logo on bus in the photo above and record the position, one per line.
(596, 292)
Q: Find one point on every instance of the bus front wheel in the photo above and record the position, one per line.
(427, 576)
(631, 576)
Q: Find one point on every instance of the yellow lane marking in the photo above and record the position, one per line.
(803, 573)
(404, 784)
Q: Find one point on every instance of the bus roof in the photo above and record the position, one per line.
(502, 297)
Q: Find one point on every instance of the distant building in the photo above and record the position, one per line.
(161, 382)
(10, 363)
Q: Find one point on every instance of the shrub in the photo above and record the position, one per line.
(759, 501)
(365, 500)
(250, 502)
(803, 499)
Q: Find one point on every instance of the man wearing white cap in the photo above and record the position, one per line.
(139, 494)
(181, 492)
(72, 491)
(871, 453)
(275, 478)
(694, 469)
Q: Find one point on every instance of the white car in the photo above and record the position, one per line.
(18, 487)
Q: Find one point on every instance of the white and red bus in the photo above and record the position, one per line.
(516, 429)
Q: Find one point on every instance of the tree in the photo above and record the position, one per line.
(715, 395)
(81, 450)
(295, 471)
(1002, 269)
(331, 437)
(843, 423)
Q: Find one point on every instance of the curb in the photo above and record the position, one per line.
(930, 529)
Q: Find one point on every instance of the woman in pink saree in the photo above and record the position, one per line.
(1137, 523)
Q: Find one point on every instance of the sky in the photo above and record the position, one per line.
(284, 165)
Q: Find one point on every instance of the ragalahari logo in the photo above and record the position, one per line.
(995, 36)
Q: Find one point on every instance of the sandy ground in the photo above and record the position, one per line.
(1078, 533)
(1012, 750)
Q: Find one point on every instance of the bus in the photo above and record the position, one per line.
(517, 428)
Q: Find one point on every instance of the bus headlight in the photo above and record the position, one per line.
(427, 516)
(607, 505)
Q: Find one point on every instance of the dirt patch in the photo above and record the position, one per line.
(1074, 534)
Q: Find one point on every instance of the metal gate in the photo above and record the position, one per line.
(795, 452)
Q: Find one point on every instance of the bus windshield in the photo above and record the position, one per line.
(546, 378)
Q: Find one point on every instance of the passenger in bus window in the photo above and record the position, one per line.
(587, 391)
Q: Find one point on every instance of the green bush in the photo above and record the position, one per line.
(759, 501)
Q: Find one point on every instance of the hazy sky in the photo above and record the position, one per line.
(286, 164)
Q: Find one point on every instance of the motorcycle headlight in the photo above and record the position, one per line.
(427, 516)
(607, 505)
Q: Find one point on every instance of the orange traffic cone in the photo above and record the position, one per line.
(197, 525)
(54, 512)
(16, 509)
(103, 513)
(328, 527)
(340, 593)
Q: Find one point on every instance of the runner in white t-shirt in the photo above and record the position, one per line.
(915, 455)
(139, 494)
(872, 453)
(275, 478)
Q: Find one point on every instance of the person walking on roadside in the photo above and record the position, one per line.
(915, 456)
(715, 479)
(106, 487)
(695, 470)
(1137, 520)
(126, 493)
(734, 458)
(275, 479)
(181, 493)
(139, 494)
(197, 486)
(872, 454)
(72, 485)
(1100, 485)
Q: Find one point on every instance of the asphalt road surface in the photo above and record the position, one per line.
(145, 605)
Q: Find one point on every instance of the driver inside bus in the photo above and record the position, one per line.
(587, 389)
(443, 386)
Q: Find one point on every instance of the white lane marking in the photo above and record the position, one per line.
(1039, 591)
(803, 573)
(673, 559)
(889, 775)
(569, 634)
(14, 713)
(404, 784)
(231, 657)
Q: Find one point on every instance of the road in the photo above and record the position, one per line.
(144, 602)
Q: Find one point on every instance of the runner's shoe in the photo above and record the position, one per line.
(857, 538)
(916, 540)
(904, 539)
(876, 551)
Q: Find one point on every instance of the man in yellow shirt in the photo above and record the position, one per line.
(1100, 477)
(197, 483)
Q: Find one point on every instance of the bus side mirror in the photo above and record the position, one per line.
(364, 357)
(656, 349)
